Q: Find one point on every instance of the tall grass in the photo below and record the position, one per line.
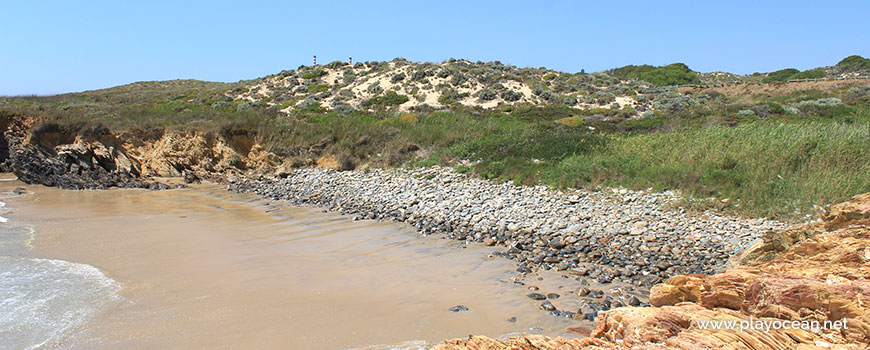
(770, 168)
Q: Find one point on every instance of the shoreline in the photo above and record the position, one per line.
(589, 237)
(631, 232)
(181, 255)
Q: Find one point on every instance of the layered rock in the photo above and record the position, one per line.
(823, 278)
(94, 158)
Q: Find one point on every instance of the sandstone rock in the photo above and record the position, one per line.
(677, 289)
(328, 162)
(526, 342)
(854, 212)
(823, 277)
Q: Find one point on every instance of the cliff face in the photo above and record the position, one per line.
(825, 277)
(96, 158)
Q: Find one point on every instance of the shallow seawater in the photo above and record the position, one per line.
(204, 268)
(42, 300)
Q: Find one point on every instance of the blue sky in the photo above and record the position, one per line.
(62, 46)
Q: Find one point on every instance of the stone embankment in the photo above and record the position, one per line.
(608, 236)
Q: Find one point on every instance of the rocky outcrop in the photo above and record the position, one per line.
(774, 242)
(853, 212)
(820, 280)
(204, 155)
(76, 166)
(95, 158)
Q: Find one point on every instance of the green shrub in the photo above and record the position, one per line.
(511, 95)
(674, 104)
(349, 76)
(780, 75)
(220, 105)
(343, 108)
(627, 112)
(776, 108)
(853, 63)
(451, 96)
(309, 104)
(458, 79)
(374, 88)
(390, 99)
(672, 74)
(809, 74)
(244, 107)
(419, 75)
(488, 95)
(604, 98)
(335, 64)
(316, 88)
(630, 72)
(313, 73)
(397, 78)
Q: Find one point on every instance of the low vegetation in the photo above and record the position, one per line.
(778, 154)
(672, 74)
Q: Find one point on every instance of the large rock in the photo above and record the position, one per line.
(853, 212)
(677, 289)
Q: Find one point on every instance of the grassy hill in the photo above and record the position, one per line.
(779, 152)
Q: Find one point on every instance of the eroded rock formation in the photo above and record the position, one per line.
(94, 157)
(825, 277)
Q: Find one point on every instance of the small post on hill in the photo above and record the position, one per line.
(350, 60)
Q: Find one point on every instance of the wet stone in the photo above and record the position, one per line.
(537, 296)
(548, 306)
(458, 308)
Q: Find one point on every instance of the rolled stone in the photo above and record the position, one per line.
(536, 296)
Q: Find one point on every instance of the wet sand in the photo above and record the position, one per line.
(204, 268)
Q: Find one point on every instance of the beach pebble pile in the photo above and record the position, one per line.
(611, 235)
